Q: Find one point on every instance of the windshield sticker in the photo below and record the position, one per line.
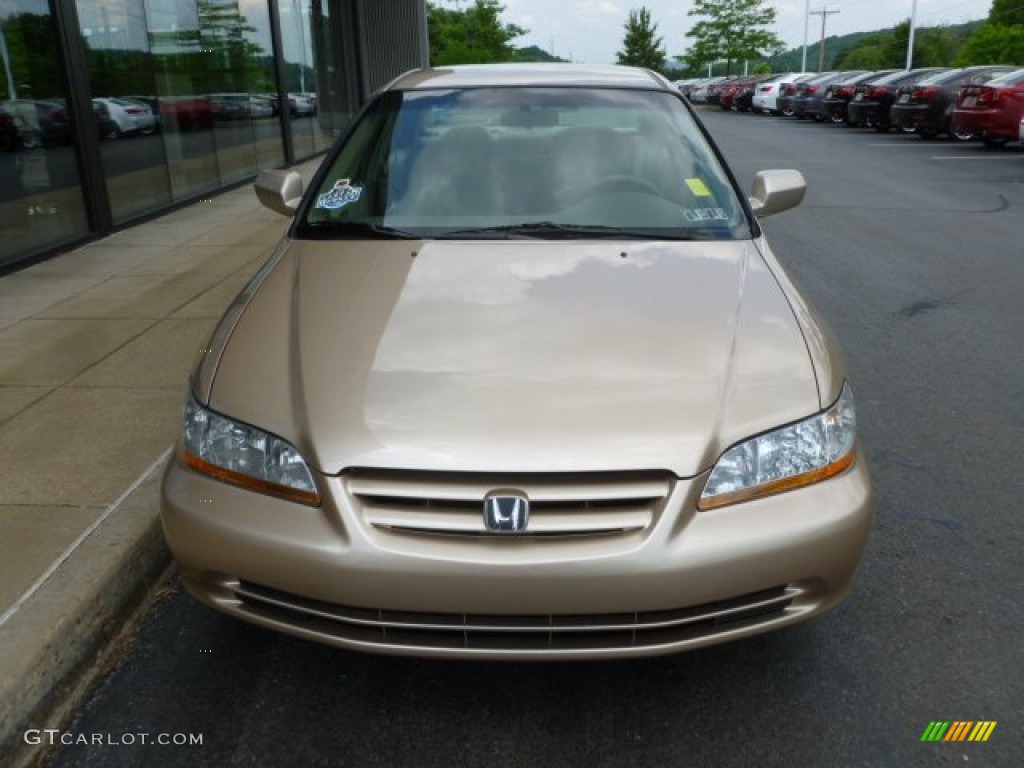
(698, 187)
(340, 195)
(706, 214)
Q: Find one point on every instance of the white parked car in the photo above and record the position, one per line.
(127, 117)
(767, 93)
(302, 104)
(261, 106)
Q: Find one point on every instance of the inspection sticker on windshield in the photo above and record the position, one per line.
(706, 214)
(340, 195)
(698, 187)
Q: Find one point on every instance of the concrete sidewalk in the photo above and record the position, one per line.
(95, 349)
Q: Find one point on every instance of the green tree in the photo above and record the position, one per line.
(641, 47)
(1006, 12)
(935, 47)
(734, 30)
(862, 57)
(894, 51)
(867, 52)
(993, 44)
(34, 72)
(473, 36)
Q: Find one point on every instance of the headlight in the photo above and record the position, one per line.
(792, 457)
(243, 455)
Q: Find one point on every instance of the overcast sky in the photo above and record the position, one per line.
(591, 31)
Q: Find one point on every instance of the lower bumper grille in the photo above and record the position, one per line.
(501, 633)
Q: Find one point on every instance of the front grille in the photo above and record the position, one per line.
(512, 633)
(560, 505)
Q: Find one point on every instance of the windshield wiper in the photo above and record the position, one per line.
(357, 230)
(550, 230)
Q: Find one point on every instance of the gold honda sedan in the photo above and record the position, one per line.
(523, 380)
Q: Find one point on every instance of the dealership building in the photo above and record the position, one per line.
(114, 110)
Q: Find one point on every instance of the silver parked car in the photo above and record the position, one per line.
(523, 380)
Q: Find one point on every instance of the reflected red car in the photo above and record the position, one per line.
(992, 112)
(187, 113)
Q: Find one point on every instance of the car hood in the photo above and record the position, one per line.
(514, 356)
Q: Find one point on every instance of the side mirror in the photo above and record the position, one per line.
(776, 191)
(279, 191)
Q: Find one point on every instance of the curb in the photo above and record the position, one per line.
(57, 643)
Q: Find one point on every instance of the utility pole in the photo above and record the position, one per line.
(824, 13)
(910, 42)
(807, 17)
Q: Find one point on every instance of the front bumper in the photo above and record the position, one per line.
(689, 579)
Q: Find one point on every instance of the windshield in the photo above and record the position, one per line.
(530, 162)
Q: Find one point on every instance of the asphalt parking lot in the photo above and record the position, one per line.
(912, 251)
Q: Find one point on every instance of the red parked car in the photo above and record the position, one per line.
(992, 112)
(927, 106)
(740, 93)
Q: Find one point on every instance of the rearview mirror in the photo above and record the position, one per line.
(279, 191)
(776, 191)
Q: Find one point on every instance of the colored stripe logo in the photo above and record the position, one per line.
(958, 730)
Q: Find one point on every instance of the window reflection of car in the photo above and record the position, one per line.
(230, 106)
(302, 104)
(186, 113)
(54, 125)
(523, 380)
(127, 117)
(105, 125)
(261, 106)
(22, 124)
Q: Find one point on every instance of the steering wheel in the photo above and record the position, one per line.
(622, 182)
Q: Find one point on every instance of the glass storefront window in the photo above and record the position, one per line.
(120, 69)
(193, 76)
(303, 24)
(239, 56)
(41, 201)
(185, 97)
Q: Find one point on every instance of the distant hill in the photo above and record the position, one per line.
(535, 53)
(836, 46)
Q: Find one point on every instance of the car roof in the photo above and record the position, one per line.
(497, 75)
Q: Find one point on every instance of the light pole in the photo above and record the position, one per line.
(807, 18)
(12, 92)
(910, 42)
(301, 28)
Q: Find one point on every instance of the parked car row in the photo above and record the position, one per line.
(981, 102)
(30, 123)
